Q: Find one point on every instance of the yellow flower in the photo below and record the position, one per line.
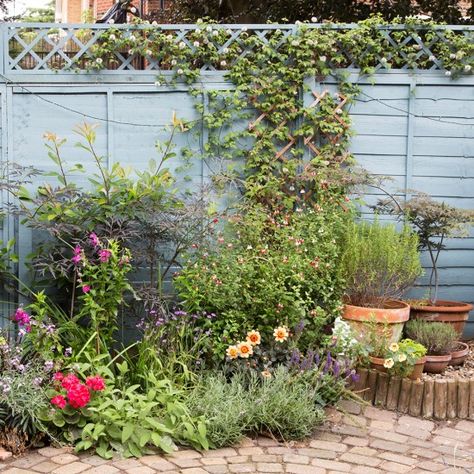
(388, 363)
(402, 357)
(394, 347)
(245, 349)
(281, 334)
(266, 374)
(254, 338)
(232, 352)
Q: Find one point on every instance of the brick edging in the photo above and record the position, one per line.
(439, 399)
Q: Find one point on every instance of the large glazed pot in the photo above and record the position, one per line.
(451, 312)
(388, 321)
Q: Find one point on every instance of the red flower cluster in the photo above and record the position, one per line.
(78, 394)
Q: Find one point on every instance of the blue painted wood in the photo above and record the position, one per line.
(423, 139)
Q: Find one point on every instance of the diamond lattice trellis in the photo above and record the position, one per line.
(53, 47)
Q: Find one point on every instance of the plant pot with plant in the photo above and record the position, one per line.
(439, 340)
(380, 263)
(434, 222)
(459, 354)
(403, 359)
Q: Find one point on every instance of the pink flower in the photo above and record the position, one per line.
(94, 240)
(86, 289)
(70, 381)
(104, 255)
(22, 318)
(95, 383)
(58, 376)
(78, 396)
(59, 401)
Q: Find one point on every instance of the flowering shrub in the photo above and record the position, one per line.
(402, 356)
(265, 270)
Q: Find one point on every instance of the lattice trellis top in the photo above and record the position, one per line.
(40, 47)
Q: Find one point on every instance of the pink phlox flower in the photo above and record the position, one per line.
(104, 255)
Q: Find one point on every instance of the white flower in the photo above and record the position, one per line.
(133, 10)
(383, 60)
(388, 363)
(130, 51)
(223, 63)
(314, 19)
(452, 56)
(467, 67)
(111, 21)
(132, 38)
(169, 37)
(99, 60)
(447, 73)
(112, 37)
(297, 22)
(154, 23)
(149, 52)
(229, 32)
(173, 62)
(197, 31)
(225, 50)
(322, 58)
(249, 247)
(295, 43)
(402, 357)
(339, 111)
(244, 28)
(215, 33)
(196, 44)
(157, 83)
(209, 28)
(182, 45)
(432, 58)
(180, 71)
(199, 21)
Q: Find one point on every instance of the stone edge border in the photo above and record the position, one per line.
(439, 399)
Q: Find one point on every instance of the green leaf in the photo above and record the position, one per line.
(127, 432)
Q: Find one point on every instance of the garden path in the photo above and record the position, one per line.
(365, 441)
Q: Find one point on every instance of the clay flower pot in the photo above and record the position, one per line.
(389, 320)
(450, 312)
(377, 364)
(436, 364)
(459, 355)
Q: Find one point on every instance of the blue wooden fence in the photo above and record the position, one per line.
(415, 126)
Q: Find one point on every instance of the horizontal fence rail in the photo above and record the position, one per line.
(49, 48)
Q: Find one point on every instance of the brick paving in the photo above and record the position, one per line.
(360, 440)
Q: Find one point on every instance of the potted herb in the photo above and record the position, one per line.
(379, 263)
(439, 340)
(403, 359)
(434, 222)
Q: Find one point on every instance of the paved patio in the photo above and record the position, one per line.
(365, 441)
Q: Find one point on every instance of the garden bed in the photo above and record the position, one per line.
(440, 396)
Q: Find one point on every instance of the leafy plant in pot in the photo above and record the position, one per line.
(439, 340)
(434, 222)
(380, 263)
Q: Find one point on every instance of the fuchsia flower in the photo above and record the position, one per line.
(23, 318)
(95, 383)
(94, 240)
(104, 255)
(77, 257)
(59, 401)
(86, 289)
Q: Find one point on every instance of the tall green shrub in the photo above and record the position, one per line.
(379, 262)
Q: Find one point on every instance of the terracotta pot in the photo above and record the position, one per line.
(436, 364)
(450, 312)
(391, 319)
(377, 364)
(459, 355)
(418, 369)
